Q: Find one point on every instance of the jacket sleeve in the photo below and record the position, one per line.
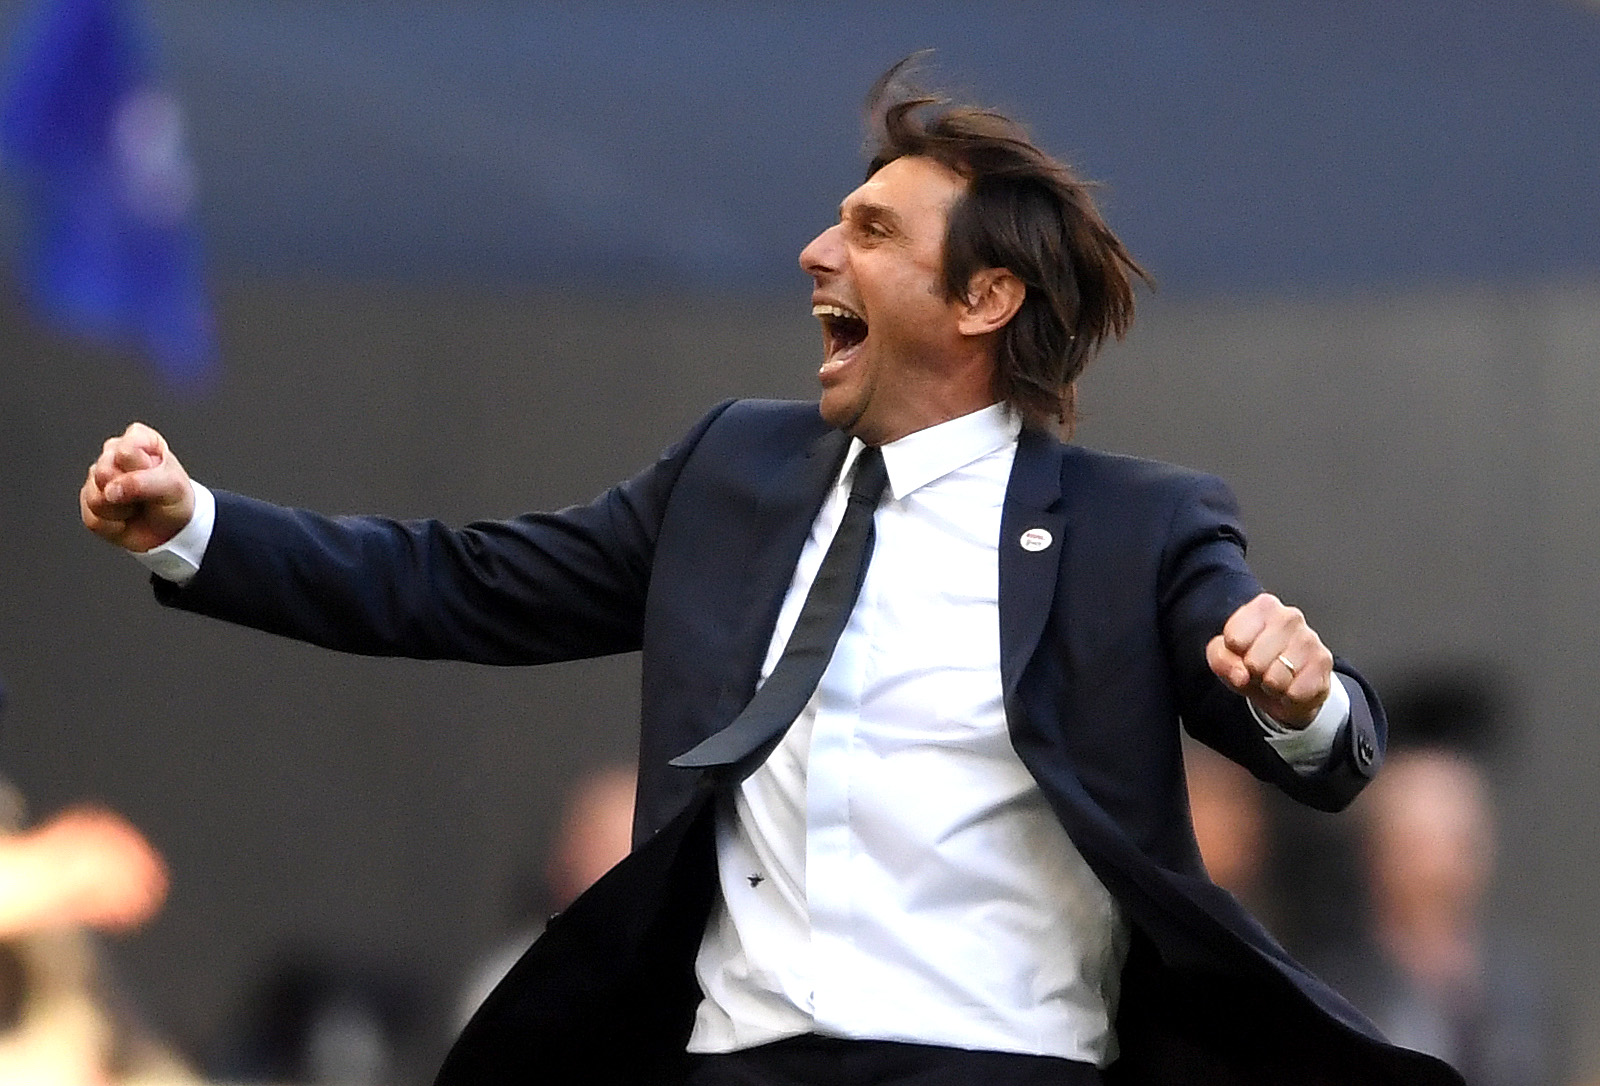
(537, 588)
(1204, 580)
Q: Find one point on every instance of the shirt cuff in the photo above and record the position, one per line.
(178, 559)
(1307, 749)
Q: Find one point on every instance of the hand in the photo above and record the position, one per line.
(87, 866)
(110, 876)
(137, 495)
(1249, 656)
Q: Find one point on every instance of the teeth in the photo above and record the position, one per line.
(833, 311)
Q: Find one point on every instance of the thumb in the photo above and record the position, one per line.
(151, 481)
(157, 485)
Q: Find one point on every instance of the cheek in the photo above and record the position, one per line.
(907, 304)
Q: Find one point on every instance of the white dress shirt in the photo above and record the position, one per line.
(892, 871)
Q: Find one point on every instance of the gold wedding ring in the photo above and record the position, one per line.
(1284, 660)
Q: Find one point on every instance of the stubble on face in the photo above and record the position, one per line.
(888, 328)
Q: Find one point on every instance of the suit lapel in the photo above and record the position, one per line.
(788, 508)
(1032, 540)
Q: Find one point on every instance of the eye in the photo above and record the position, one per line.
(869, 226)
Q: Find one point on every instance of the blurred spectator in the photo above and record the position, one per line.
(60, 1022)
(84, 868)
(596, 831)
(1434, 974)
(1230, 824)
(316, 1019)
(1317, 863)
(1456, 705)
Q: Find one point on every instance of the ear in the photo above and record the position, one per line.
(993, 297)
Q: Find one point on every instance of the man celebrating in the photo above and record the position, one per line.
(911, 803)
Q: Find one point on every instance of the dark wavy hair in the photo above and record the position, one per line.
(1028, 213)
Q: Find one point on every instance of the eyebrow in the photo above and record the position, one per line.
(865, 210)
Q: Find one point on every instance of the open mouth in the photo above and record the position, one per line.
(842, 330)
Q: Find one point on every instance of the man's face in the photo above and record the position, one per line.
(894, 360)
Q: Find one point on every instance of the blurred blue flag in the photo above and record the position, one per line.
(111, 249)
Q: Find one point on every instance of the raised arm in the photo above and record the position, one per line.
(533, 589)
(1232, 644)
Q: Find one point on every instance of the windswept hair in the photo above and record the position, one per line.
(1030, 214)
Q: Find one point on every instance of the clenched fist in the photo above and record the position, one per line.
(1267, 653)
(137, 495)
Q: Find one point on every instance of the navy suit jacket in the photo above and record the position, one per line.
(1103, 639)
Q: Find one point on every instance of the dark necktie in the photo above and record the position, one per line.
(745, 743)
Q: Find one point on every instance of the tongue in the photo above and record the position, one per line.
(848, 332)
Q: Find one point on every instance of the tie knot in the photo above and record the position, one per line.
(871, 477)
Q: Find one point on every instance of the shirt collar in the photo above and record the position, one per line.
(919, 458)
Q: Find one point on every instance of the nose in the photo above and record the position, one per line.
(822, 256)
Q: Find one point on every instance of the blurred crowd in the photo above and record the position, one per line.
(313, 1019)
(1392, 906)
(63, 1020)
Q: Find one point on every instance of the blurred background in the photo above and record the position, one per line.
(465, 258)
